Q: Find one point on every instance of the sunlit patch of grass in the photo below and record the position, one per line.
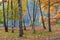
(27, 33)
(38, 33)
(45, 33)
(3, 32)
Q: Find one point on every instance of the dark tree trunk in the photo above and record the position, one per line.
(29, 13)
(7, 12)
(24, 24)
(15, 15)
(42, 15)
(33, 25)
(12, 16)
(20, 18)
(49, 16)
(14, 19)
(6, 28)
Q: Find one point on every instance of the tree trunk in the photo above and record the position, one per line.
(33, 25)
(24, 24)
(49, 16)
(29, 13)
(12, 17)
(7, 12)
(15, 15)
(42, 15)
(6, 28)
(20, 18)
(14, 20)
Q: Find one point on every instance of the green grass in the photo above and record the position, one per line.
(8, 33)
(27, 35)
(38, 33)
(57, 24)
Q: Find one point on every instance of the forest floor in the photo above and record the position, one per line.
(41, 34)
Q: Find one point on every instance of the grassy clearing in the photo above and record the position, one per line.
(27, 35)
(38, 33)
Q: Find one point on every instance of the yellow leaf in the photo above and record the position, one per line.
(24, 8)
